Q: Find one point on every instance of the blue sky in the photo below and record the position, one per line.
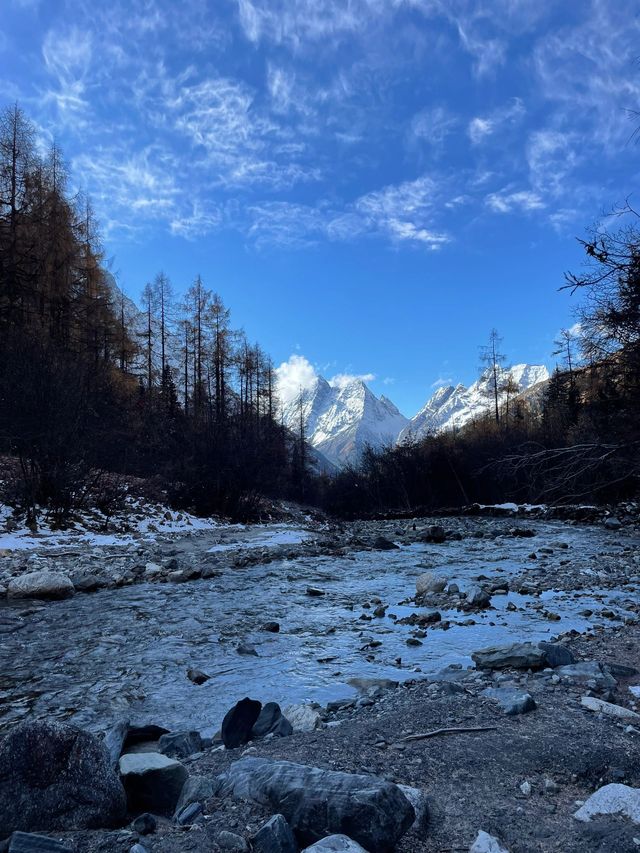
(371, 185)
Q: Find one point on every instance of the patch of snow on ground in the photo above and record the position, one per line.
(137, 520)
(282, 536)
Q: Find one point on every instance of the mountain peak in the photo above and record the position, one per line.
(343, 416)
(451, 407)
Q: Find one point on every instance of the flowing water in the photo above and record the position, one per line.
(124, 652)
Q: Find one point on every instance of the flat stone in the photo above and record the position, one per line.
(608, 708)
(512, 700)
(383, 544)
(231, 841)
(485, 843)
(275, 836)
(513, 656)
(318, 802)
(28, 842)
(588, 671)
(52, 585)
(335, 844)
(612, 799)
(153, 781)
(57, 777)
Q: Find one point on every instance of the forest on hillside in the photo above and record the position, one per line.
(93, 388)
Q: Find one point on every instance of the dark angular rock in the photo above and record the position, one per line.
(381, 543)
(27, 842)
(511, 700)
(145, 824)
(556, 654)
(271, 721)
(271, 627)
(197, 676)
(239, 721)
(478, 597)
(232, 842)
(180, 744)
(56, 777)
(153, 781)
(275, 836)
(197, 789)
(434, 533)
(316, 803)
(514, 656)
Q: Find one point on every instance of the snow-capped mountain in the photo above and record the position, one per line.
(342, 417)
(453, 406)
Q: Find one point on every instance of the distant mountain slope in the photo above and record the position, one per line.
(453, 406)
(343, 417)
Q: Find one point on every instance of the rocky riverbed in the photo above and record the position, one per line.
(180, 627)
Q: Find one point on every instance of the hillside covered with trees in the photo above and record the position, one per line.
(90, 384)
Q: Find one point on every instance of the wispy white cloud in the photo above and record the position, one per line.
(520, 200)
(433, 125)
(401, 214)
(442, 382)
(482, 127)
(67, 57)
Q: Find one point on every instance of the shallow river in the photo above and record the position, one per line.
(125, 652)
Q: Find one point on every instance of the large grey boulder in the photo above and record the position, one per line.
(316, 803)
(485, 843)
(512, 700)
(303, 718)
(153, 781)
(41, 585)
(612, 799)
(513, 656)
(428, 582)
(335, 844)
(588, 672)
(275, 836)
(56, 777)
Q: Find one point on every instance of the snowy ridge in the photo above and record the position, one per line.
(342, 417)
(453, 406)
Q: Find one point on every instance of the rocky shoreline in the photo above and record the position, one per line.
(509, 749)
